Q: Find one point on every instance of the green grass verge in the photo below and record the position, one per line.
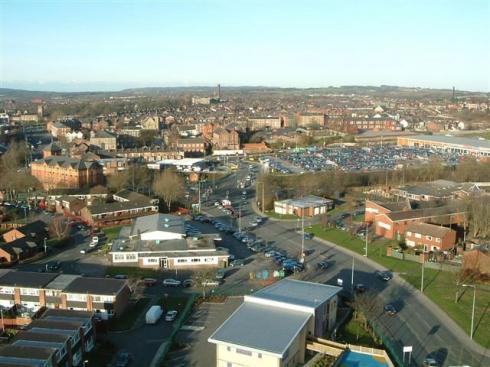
(271, 214)
(353, 333)
(439, 286)
(132, 272)
(112, 232)
(173, 303)
(128, 318)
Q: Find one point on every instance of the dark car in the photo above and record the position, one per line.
(384, 275)
(322, 265)
(360, 288)
(237, 263)
(122, 359)
(54, 266)
(308, 236)
(390, 309)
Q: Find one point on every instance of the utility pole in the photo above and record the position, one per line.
(240, 217)
(367, 234)
(352, 275)
(422, 281)
(45, 246)
(303, 237)
(473, 308)
(199, 190)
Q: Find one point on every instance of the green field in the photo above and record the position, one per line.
(353, 333)
(439, 286)
(111, 232)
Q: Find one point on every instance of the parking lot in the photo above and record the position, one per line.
(353, 159)
(198, 352)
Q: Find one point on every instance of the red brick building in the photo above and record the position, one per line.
(394, 224)
(374, 208)
(225, 139)
(430, 237)
(64, 172)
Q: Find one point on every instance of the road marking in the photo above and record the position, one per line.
(192, 328)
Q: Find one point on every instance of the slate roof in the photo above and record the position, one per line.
(98, 286)
(26, 279)
(66, 162)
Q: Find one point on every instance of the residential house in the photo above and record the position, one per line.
(58, 129)
(394, 225)
(374, 208)
(192, 146)
(225, 139)
(104, 296)
(33, 231)
(51, 149)
(151, 123)
(429, 236)
(104, 140)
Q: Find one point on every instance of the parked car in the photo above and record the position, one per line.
(390, 309)
(153, 314)
(54, 266)
(171, 282)
(430, 362)
(122, 359)
(360, 288)
(220, 274)
(322, 264)
(211, 283)
(237, 263)
(308, 236)
(87, 250)
(149, 282)
(120, 276)
(171, 315)
(95, 239)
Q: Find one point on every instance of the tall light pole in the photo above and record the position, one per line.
(262, 204)
(473, 308)
(352, 275)
(45, 246)
(367, 234)
(303, 237)
(422, 280)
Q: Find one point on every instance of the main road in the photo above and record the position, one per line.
(419, 323)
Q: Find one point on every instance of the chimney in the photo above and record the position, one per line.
(219, 92)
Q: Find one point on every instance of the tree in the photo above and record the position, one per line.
(117, 181)
(168, 185)
(15, 156)
(99, 189)
(201, 278)
(59, 228)
(139, 177)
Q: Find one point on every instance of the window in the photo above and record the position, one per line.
(29, 292)
(118, 257)
(244, 352)
(418, 235)
(131, 257)
(429, 238)
(7, 290)
(228, 349)
(259, 355)
(409, 233)
(76, 297)
(151, 260)
(438, 240)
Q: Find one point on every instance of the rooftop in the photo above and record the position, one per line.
(99, 286)
(297, 292)
(158, 222)
(261, 327)
(306, 202)
(456, 140)
(26, 279)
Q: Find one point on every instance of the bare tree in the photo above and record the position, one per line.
(168, 185)
(117, 181)
(99, 189)
(58, 227)
(201, 278)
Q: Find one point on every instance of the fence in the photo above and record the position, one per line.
(163, 350)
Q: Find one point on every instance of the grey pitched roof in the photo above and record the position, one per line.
(99, 286)
(297, 292)
(66, 162)
(26, 279)
(261, 327)
(158, 222)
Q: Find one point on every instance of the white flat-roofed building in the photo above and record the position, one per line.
(308, 206)
(271, 327)
(454, 144)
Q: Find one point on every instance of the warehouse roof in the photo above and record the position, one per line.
(261, 327)
(456, 140)
(297, 292)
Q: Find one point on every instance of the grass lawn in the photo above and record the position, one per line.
(128, 318)
(280, 216)
(353, 333)
(132, 272)
(173, 303)
(485, 135)
(439, 286)
(101, 355)
(111, 232)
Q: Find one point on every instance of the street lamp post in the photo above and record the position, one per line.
(367, 234)
(262, 204)
(473, 308)
(45, 246)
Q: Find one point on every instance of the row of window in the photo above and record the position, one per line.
(243, 352)
(418, 235)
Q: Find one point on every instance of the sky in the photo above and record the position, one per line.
(73, 45)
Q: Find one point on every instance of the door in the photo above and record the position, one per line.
(164, 263)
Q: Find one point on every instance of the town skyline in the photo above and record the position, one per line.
(125, 44)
